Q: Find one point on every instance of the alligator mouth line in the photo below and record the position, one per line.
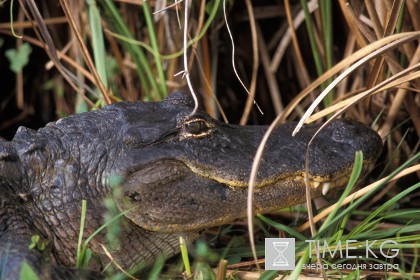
(326, 182)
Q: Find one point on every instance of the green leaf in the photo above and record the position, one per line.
(279, 226)
(269, 274)
(184, 254)
(19, 58)
(82, 107)
(154, 43)
(80, 250)
(157, 268)
(34, 241)
(41, 246)
(27, 272)
(98, 43)
(234, 259)
(35, 238)
(354, 177)
(86, 258)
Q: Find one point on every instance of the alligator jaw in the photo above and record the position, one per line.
(326, 182)
(171, 203)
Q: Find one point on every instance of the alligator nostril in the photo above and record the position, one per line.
(134, 196)
(339, 135)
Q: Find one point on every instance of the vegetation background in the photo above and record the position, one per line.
(63, 57)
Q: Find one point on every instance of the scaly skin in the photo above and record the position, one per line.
(179, 174)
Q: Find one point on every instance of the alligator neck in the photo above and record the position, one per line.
(144, 247)
(11, 199)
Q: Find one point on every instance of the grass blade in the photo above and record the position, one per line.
(80, 257)
(185, 259)
(153, 41)
(97, 41)
(355, 174)
(279, 226)
(143, 69)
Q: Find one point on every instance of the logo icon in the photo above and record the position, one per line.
(279, 253)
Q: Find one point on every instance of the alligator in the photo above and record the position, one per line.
(178, 174)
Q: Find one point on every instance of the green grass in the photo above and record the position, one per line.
(98, 42)
(185, 259)
(143, 67)
(27, 272)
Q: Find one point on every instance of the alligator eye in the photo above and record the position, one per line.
(197, 128)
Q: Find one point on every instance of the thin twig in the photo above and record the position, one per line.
(233, 56)
(250, 198)
(303, 72)
(270, 76)
(28, 24)
(108, 254)
(85, 52)
(168, 7)
(284, 43)
(255, 63)
(186, 70)
(398, 101)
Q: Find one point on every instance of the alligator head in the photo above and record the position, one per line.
(179, 173)
(184, 173)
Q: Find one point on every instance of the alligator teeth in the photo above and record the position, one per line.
(325, 187)
(316, 184)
